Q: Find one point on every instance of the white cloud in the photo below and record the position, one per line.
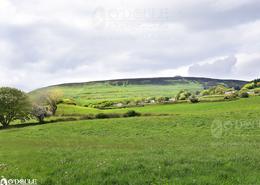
(218, 68)
(242, 66)
(55, 41)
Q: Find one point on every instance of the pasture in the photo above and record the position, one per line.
(206, 143)
(98, 92)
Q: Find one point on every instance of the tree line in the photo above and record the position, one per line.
(17, 105)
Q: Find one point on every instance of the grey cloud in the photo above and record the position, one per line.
(223, 67)
(65, 40)
(206, 16)
(250, 68)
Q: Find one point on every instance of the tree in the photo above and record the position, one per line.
(52, 98)
(39, 112)
(194, 99)
(14, 105)
(183, 95)
(249, 86)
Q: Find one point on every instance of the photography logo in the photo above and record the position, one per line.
(99, 18)
(5, 181)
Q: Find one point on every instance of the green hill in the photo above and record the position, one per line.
(134, 89)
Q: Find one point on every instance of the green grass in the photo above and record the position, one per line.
(244, 106)
(93, 93)
(75, 110)
(177, 149)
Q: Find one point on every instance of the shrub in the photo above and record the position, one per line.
(237, 88)
(257, 91)
(68, 101)
(103, 105)
(244, 95)
(197, 93)
(194, 99)
(105, 116)
(183, 95)
(249, 86)
(39, 112)
(85, 117)
(205, 93)
(231, 95)
(101, 116)
(220, 89)
(114, 115)
(131, 113)
(62, 120)
(163, 99)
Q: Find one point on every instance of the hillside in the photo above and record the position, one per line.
(207, 143)
(206, 82)
(128, 89)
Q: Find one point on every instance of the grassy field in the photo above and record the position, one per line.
(93, 93)
(206, 143)
(244, 106)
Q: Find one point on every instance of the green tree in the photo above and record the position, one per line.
(51, 99)
(14, 105)
(194, 99)
(183, 95)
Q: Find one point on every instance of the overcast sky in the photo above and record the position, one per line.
(57, 41)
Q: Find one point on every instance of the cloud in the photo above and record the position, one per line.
(221, 67)
(248, 66)
(241, 66)
(52, 41)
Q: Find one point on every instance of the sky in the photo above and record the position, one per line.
(58, 41)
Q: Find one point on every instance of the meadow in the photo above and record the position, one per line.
(206, 143)
(98, 92)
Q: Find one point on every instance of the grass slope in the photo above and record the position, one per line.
(128, 89)
(242, 106)
(176, 150)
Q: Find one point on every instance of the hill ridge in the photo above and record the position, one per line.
(135, 80)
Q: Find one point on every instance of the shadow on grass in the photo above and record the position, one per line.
(22, 125)
(85, 117)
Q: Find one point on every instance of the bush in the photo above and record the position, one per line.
(105, 116)
(244, 95)
(249, 86)
(219, 89)
(205, 93)
(149, 100)
(131, 113)
(163, 99)
(101, 116)
(183, 95)
(257, 91)
(86, 117)
(68, 101)
(62, 120)
(194, 99)
(40, 112)
(231, 96)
